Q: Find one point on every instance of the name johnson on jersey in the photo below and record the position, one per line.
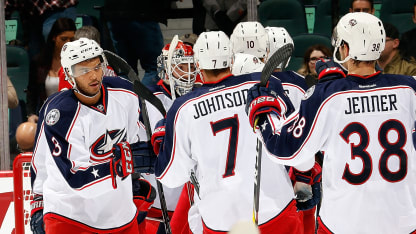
(219, 102)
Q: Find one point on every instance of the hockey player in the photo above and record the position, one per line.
(82, 161)
(206, 134)
(364, 125)
(183, 75)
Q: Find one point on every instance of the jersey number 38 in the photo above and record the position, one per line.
(389, 149)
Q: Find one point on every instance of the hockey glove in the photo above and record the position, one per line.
(36, 215)
(327, 70)
(263, 100)
(143, 157)
(122, 163)
(158, 135)
(143, 197)
(307, 197)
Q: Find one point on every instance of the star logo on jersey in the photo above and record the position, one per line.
(52, 117)
(101, 149)
(95, 173)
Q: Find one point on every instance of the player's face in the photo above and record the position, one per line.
(184, 71)
(313, 57)
(362, 6)
(63, 38)
(88, 76)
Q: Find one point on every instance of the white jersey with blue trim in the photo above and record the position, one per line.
(364, 127)
(162, 92)
(73, 149)
(207, 131)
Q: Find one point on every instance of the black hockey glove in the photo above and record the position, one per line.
(264, 100)
(36, 215)
(158, 135)
(327, 70)
(122, 163)
(143, 157)
(143, 197)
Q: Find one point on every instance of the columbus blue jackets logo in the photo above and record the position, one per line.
(101, 149)
(309, 93)
(52, 117)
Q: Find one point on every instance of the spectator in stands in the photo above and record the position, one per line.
(43, 76)
(13, 100)
(390, 59)
(135, 31)
(408, 41)
(37, 18)
(312, 54)
(362, 6)
(224, 15)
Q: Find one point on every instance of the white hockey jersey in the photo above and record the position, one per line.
(71, 159)
(364, 126)
(207, 131)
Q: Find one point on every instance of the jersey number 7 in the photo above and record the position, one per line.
(233, 125)
(389, 149)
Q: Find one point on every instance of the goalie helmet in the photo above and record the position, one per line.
(183, 71)
(364, 33)
(212, 50)
(75, 52)
(246, 63)
(250, 38)
(278, 37)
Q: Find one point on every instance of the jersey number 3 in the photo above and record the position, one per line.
(389, 149)
(233, 125)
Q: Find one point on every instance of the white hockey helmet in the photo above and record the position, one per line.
(246, 63)
(250, 38)
(212, 50)
(364, 33)
(278, 37)
(78, 51)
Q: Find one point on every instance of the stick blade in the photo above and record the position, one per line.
(282, 55)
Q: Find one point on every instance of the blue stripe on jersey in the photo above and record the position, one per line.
(286, 145)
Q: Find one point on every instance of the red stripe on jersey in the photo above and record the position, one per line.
(322, 228)
(294, 86)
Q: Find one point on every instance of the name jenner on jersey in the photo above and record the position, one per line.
(373, 103)
(221, 101)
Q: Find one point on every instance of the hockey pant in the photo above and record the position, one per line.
(288, 221)
(54, 225)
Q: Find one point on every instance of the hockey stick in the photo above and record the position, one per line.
(281, 56)
(144, 94)
(172, 48)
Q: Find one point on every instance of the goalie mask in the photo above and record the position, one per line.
(364, 33)
(278, 37)
(250, 38)
(79, 51)
(183, 71)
